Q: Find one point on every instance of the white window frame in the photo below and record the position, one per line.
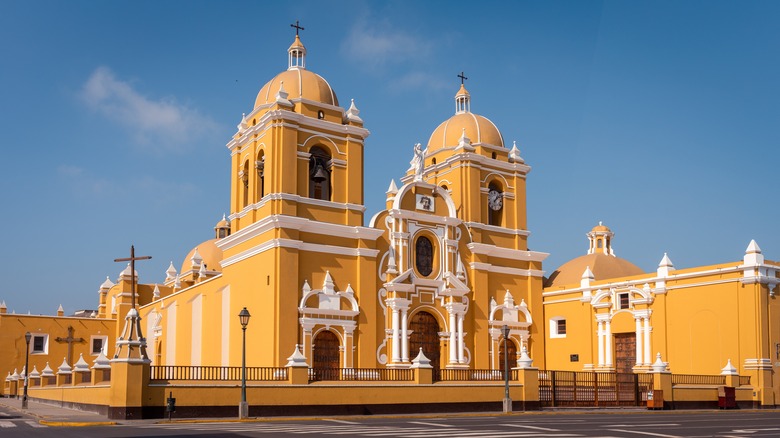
(45, 350)
(554, 327)
(103, 349)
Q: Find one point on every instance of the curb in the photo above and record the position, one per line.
(76, 423)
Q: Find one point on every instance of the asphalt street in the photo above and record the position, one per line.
(618, 424)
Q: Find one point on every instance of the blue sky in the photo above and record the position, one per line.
(658, 118)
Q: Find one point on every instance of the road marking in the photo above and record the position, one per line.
(34, 423)
(645, 433)
(754, 430)
(429, 424)
(643, 425)
(532, 427)
(7, 424)
(343, 421)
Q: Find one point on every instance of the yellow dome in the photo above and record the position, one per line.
(478, 129)
(208, 251)
(603, 267)
(298, 83)
(601, 229)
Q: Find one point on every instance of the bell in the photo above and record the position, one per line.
(320, 174)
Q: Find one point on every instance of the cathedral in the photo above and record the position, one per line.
(439, 272)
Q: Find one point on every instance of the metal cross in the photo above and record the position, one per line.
(297, 28)
(462, 78)
(132, 260)
(70, 340)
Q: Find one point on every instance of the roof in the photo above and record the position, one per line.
(603, 267)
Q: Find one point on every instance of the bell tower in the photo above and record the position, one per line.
(291, 154)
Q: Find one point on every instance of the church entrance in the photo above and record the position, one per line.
(625, 352)
(325, 350)
(625, 359)
(425, 334)
(512, 349)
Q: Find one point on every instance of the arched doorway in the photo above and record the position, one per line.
(511, 347)
(425, 334)
(325, 350)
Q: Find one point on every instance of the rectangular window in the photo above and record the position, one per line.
(561, 326)
(98, 345)
(38, 344)
(558, 327)
(624, 304)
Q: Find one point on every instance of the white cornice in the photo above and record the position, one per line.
(472, 159)
(300, 224)
(296, 198)
(506, 270)
(497, 229)
(304, 124)
(425, 218)
(299, 245)
(507, 253)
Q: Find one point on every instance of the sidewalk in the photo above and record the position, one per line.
(52, 415)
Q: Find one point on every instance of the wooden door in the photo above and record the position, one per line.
(512, 349)
(425, 334)
(625, 352)
(326, 356)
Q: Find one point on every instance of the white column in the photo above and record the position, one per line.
(396, 336)
(461, 358)
(639, 350)
(608, 343)
(600, 334)
(453, 338)
(404, 337)
(647, 340)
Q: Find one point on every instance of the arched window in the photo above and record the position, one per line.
(325, 350)
(244, 181)
(424, 256)
(260, 167)
(319, 174)
(495, 204)
(425, 334)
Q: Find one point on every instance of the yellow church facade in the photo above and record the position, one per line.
(605, 314)
(432, 279)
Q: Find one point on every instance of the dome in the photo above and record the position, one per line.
(478, 129)
(298, 83)
(603, 267)
(601, 228)
(208, 251)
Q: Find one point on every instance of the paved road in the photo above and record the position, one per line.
(605, 424)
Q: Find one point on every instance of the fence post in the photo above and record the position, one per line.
(662, 381)
(423, 371)
(297, 368)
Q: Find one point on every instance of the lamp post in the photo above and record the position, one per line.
(27, 337)
(243, 408)
(507, 400)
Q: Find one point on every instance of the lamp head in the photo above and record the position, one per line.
(243, 316)
(27, 337)
(505, 330)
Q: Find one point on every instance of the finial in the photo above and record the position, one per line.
(297, 27)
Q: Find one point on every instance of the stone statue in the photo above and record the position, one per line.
(418, 162)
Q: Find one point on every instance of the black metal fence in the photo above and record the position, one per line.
(695, 379)
(361, 374)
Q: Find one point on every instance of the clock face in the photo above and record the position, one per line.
(495, 199)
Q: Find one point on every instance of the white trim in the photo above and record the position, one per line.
(506, 253)
(277, 221)
(196, 334)
(497, 229)
(296, 198)
(506, 270)
(299, 245)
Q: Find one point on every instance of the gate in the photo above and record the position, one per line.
(582, 388)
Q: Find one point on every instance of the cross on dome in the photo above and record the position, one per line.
(462, 78)
(297, 27)
(297, 53)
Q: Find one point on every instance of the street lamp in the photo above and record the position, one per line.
(243, 408)
(507, 400)
(27, 337)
